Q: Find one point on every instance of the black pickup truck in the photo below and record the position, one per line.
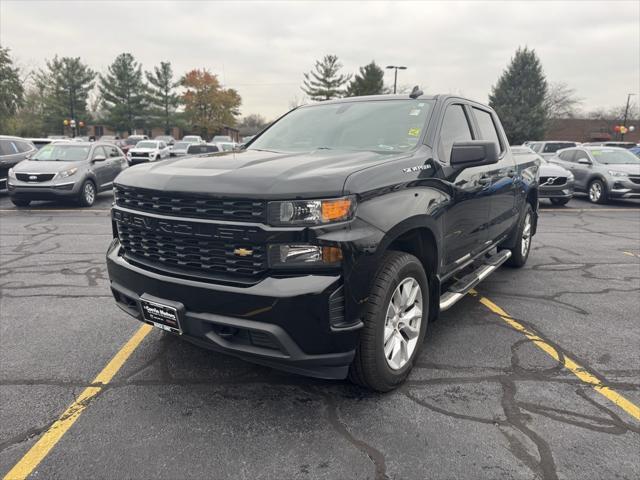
(327, 244)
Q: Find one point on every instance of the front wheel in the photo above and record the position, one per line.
(597, 192)
(520, 252)
(560, 201)
(87, 194)
(395, 323)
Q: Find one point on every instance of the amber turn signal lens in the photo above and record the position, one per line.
(333, 210)
(331, 254)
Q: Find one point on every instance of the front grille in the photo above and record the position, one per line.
(192, 206)
(635, 179)
(189, 253)
(552, 181)
(35, 177)
(140, 154)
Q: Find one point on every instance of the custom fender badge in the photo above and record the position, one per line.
(417, 168)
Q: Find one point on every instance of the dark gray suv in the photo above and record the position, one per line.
(74, 170)
(12, 151)
(602, 172)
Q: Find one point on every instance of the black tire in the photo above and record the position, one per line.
(560, 201)
(20, 202)
(518, 257)
(84, 199)
(594, 187)
(370, 368)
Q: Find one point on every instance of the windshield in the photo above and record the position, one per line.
(131, 141)
(553, 147)
(62, 153)
(147, 145)
(610, 157)
(380, 126)
(181, 145)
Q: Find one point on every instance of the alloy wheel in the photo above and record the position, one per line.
(526, 236)
(89, 193)
(595, 192)
(402, 323)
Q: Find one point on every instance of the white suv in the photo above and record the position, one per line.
(148, 151)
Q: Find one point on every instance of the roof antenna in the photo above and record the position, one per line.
(416, 92)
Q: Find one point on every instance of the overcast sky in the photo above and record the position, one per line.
(263, 48)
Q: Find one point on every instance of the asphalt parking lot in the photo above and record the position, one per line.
(503, 389)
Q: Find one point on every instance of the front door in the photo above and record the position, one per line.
(465, 223)
(102, 169)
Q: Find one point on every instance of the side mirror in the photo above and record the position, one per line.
(99, 158)
(473, 153)
(584, 161)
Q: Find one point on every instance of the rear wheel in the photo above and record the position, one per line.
(520, 252)
(597, 192)
(395, 323)
(20, 202)
(87, 194)
(560, 201)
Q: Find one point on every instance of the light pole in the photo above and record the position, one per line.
(626, 112)
(395, 76)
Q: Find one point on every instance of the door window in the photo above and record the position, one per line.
(487, 127)
(568, 156)
(97, 152)
(8, 147)
(113, 151)
(455, 128)
(535, 147)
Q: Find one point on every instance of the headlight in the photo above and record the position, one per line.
(303, 255)
(570, 176)
(311, 212)
(613, 173)
(67, 173)
(11, 173)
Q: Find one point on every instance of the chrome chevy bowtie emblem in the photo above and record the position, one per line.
(243, 252)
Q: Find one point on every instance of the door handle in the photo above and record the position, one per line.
(484, 180)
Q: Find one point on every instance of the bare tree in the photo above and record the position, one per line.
(561, 102)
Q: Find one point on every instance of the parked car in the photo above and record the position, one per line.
(148, 151)
(12, 151)
(221, 138)
(602, 172)
(556, 182)
(635, 151)
(326, 246)
(40, 142)
(180, 148)
(611, 144)
(168, 139)
(131, 141)
(110, 138)
(199, 148)
(548, 149)
(70, 170)
(226, 146)
(193, 139)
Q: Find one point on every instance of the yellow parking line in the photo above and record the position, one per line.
(40, 450)
(579, 371)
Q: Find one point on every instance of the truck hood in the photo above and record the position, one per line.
(551, 170)
(37, 166)
(255, 174)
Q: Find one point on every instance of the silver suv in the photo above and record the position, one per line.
(75, 170)
(602, 172)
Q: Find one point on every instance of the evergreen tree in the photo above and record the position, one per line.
(65, 85)
(519, 98)
(11, 89)
(369, 81)
(324, 82)
(124, 93)
(162, 94)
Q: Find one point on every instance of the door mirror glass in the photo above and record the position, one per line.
(473, 153)
(584, 161)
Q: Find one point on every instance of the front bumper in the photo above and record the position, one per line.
(621, 187)
(50, 190)
(556, 191)
(279, 322)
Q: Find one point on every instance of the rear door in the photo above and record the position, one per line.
(101, 169)
(503, 213)
(465, 223)
(581, 171)
(116, 161)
